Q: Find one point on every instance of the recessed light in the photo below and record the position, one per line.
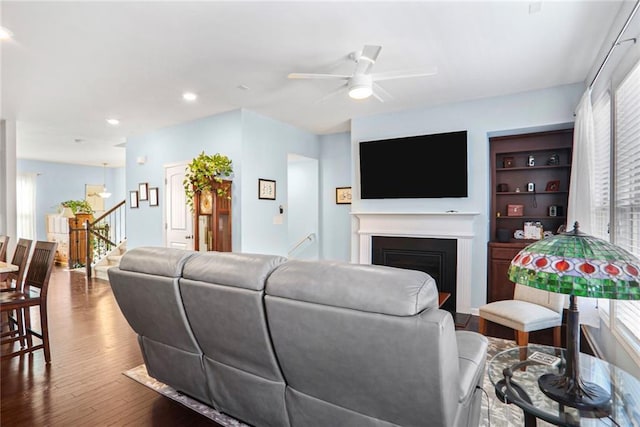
(5, 34)
(79, 141)
(535, 7)
(113, 122)
(189, 96)
(243, 87)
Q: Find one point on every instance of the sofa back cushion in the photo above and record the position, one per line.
(146, 287)
(358, 343)
(223, 297)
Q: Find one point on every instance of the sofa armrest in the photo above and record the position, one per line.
(472, 356)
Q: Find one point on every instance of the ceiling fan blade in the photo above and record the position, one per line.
(317, 76)
(331, 94)
(380, 94)
(406, 74)
(367, 58)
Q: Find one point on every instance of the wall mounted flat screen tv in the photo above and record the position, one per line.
(425, 166)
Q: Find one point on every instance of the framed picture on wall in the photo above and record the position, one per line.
(153, 196)
(343, 195)
(133, 199)
(266, 189)
(143, 190)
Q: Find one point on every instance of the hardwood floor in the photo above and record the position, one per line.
(91, 345)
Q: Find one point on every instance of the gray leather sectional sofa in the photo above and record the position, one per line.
(274, 342)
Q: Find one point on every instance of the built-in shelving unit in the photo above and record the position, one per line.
(530, 172)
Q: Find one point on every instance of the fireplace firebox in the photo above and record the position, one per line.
(436, 257)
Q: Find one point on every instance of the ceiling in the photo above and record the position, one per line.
(72, 65)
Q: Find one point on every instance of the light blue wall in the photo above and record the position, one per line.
(303, 210)
(480, 118)
(181, 143)
(258, 147)
(335, 171)
(57, 182)
(265, 146)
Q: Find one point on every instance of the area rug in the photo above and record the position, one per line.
(493, 414)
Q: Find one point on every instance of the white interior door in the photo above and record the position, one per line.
(178, 216)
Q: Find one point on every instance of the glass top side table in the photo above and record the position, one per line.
(524, 391)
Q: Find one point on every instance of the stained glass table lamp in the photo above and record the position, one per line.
(577, 264)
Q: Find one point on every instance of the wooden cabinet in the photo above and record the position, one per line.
(530, 176)
(71, 236)
(212, 219)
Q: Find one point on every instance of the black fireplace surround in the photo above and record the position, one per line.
(436, 257)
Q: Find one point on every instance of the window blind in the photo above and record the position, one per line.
(601, 196)
(627, 192)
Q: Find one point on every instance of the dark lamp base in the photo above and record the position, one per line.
(575, 393)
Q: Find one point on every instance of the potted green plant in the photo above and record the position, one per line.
(203, 171)
(77, 206)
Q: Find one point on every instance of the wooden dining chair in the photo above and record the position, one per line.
(4, 242)
(13, 283)
(33, 294)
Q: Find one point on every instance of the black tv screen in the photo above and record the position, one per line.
(425, 166)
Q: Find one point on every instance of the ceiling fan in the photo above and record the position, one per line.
(362, 83)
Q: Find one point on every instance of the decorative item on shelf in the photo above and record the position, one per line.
(203, 171)
(531, 187)
(507, 162)
(554, 159)
(555, 210)
(77, 206)
(517, 189)
(577, 264)
(502, 188)
(548, 234)
(552, 185)
(343, 195)
(266, 189)
(531, 161)
(518, 234)
(533, 230)
(515, 210)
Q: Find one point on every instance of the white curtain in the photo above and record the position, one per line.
(26, 205)
(580, 189)
(582, 166)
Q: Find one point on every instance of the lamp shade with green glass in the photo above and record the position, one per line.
(577, 264)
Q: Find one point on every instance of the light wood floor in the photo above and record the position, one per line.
(91, 345)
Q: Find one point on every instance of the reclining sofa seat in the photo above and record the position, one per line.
(320, 344)
(146, 287)
(223, 296)
(363, 345)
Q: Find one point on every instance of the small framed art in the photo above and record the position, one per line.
(343, 195)
(133, 199)
(143, 191)
(153, 196)
(266, 189)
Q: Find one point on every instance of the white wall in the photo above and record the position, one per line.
(542, 108)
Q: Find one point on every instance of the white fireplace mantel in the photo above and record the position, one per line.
(435, 225)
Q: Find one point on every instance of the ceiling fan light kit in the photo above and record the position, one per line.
(361, 84)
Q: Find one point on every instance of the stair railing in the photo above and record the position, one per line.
(104, 233)
(310, 238)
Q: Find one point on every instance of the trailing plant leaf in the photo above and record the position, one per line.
(77, 206)
(203, 171)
